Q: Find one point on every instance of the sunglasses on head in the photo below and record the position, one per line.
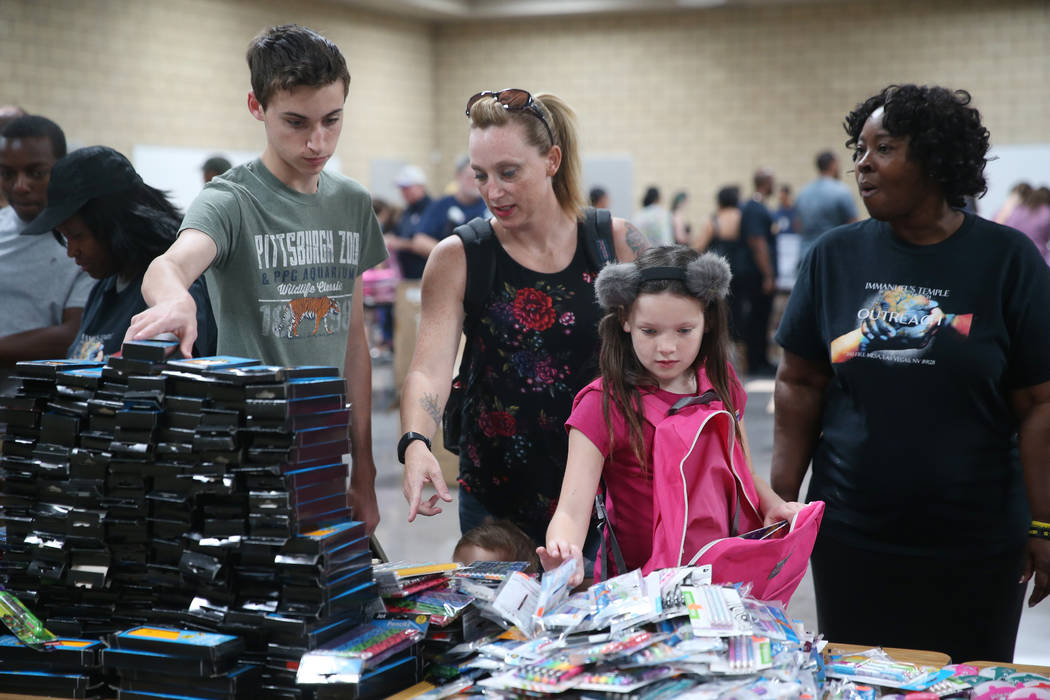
(514, 100)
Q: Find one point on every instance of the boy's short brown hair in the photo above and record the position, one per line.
(291, 56)
(505, 537)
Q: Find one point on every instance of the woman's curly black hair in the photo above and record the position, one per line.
(945, 135)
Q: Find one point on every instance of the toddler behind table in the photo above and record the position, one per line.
(497, 540)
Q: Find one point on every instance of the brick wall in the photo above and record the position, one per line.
(701, 99)
(173, 72)
(698, 98)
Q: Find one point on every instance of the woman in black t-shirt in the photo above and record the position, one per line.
(914, 366)
(113, 224)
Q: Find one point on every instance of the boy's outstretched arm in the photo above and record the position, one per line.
(164, 287)
(358, 372)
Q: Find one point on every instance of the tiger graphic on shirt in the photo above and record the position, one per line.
(292, 315)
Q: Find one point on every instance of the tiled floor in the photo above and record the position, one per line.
(432, 539)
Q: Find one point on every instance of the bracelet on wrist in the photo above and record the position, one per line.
(408, 438)
(1039, 529)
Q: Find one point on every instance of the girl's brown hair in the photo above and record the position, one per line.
(624, 379)
(488, 112)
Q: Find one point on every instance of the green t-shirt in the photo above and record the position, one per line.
(282, 281)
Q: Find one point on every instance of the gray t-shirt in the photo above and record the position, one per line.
(282, 281)
(822, 205)
(38, 281)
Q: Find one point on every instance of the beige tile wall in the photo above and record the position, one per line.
(173, 73)
(697, 98)
(704, 98)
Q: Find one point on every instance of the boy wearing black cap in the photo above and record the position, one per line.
(284, 244)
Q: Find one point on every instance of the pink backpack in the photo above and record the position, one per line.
(704, 499)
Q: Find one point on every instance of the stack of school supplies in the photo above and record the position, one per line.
(69, 668)
(158, 661)
(482, 578)
(34, 661)
(373, 660)
(657, 636)
(398, 579)
(208, 493)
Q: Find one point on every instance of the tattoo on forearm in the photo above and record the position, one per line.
(636, 240)
(429, 402)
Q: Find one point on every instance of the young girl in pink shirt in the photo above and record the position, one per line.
(664, 335)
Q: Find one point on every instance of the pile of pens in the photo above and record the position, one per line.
(745, 650)
(668, 634)
(652, 637)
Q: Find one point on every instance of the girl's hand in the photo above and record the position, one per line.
(557, 553)
(785, 510)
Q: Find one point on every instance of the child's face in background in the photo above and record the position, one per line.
(468, 554)
(666, 331)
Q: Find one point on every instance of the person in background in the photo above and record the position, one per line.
(243, 226)
(759, 284)
(405, 241)
(411, 247)
(599, 198)
(785, 221)
(1032, 218)
(8, 113)
(824, 203)
(682, 230)
(379, 284)
(446, 213)
(533, 342)
(213, 167)
(43, 291)
(785, 218)
(653, 220)
(112, 225)
(720, 234)
(1018, 193)
(915, 377)
(497, 540)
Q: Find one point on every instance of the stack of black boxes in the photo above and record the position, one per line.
(207, 493)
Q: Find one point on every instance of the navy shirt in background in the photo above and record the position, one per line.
(756, 221)
(108, 312)
(445, 214)
(409, 225)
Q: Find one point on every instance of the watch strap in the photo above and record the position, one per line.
(406, 440)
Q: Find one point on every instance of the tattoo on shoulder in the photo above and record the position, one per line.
(429, 402)
(636, 240)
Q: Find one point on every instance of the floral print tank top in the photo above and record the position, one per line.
(535, 347)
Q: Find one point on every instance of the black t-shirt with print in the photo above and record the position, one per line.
(108, 312)
(918, 452)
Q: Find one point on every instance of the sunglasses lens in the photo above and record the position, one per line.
(474, 98)
(515, 99)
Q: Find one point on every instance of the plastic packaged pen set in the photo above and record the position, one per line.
(199, 496)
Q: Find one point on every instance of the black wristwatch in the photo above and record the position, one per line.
(408, 437)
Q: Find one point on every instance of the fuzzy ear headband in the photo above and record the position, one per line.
(706, 278)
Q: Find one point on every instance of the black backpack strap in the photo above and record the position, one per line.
(598, 237)
(476, 235)
(607, 538)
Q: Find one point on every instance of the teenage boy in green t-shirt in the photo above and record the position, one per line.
(283, 242)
